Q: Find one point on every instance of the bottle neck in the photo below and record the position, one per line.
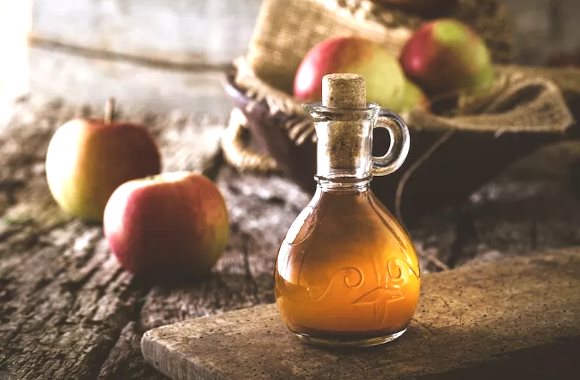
(344, 184)
(343, 157)
(344, 148)
(344, 153)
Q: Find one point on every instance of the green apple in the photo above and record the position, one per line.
(445, 56)
(412, 98)
(384, 78)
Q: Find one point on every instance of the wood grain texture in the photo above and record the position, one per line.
(67, 310)
(172, 55)
(204, 32)
(213, 32)
(15, 24)
(467, 318)
(91, 80)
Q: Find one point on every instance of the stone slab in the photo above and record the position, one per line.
(517, 316)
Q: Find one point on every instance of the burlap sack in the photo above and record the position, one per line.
(521, 99)
(451, 154)
(287, 29)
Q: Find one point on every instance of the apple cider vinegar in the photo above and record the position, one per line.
(347, 273)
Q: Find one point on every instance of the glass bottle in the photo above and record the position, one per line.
(347, 273)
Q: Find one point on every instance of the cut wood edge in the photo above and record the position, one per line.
(184, 357)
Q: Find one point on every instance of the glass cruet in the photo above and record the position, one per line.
(347, 273)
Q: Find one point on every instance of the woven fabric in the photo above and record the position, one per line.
(287, 29)
(523, 99)
(519, 101)
(237, 154)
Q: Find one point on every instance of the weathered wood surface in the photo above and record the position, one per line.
(213, 32)
(185, 32)
(85, 78)
(467, 319)
(15, 23)
(67, 310)
(172, 55)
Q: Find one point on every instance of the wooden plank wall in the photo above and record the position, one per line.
(188, 32)
(15, 22)
(148, 53)
(161, 54)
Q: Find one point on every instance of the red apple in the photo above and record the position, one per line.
(385, 81)
(447, 57)
(173, 225)
(87, 159)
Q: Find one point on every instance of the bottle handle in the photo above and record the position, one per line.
(399, 147)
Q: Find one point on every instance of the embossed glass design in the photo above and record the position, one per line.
(347, 273)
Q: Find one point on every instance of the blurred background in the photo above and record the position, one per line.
(160, 54)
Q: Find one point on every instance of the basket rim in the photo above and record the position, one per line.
(253, 100)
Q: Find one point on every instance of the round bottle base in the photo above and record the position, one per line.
(348, 341)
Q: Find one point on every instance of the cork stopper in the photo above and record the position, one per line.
(343, 140)
(343, 91)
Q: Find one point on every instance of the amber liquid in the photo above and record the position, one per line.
(346, 270)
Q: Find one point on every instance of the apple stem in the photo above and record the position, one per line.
(110, 110)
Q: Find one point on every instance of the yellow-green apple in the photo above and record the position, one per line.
(413, 98)
(446, 56)
(173, 225)
(88, 159)
(385, 81)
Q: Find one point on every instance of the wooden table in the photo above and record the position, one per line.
(67, 310)
(517, 317)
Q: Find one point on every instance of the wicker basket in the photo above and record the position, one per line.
(451, 155)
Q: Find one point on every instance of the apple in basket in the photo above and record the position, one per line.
(87, 159)
(446, 56)
(386, 84)
(169, 226)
